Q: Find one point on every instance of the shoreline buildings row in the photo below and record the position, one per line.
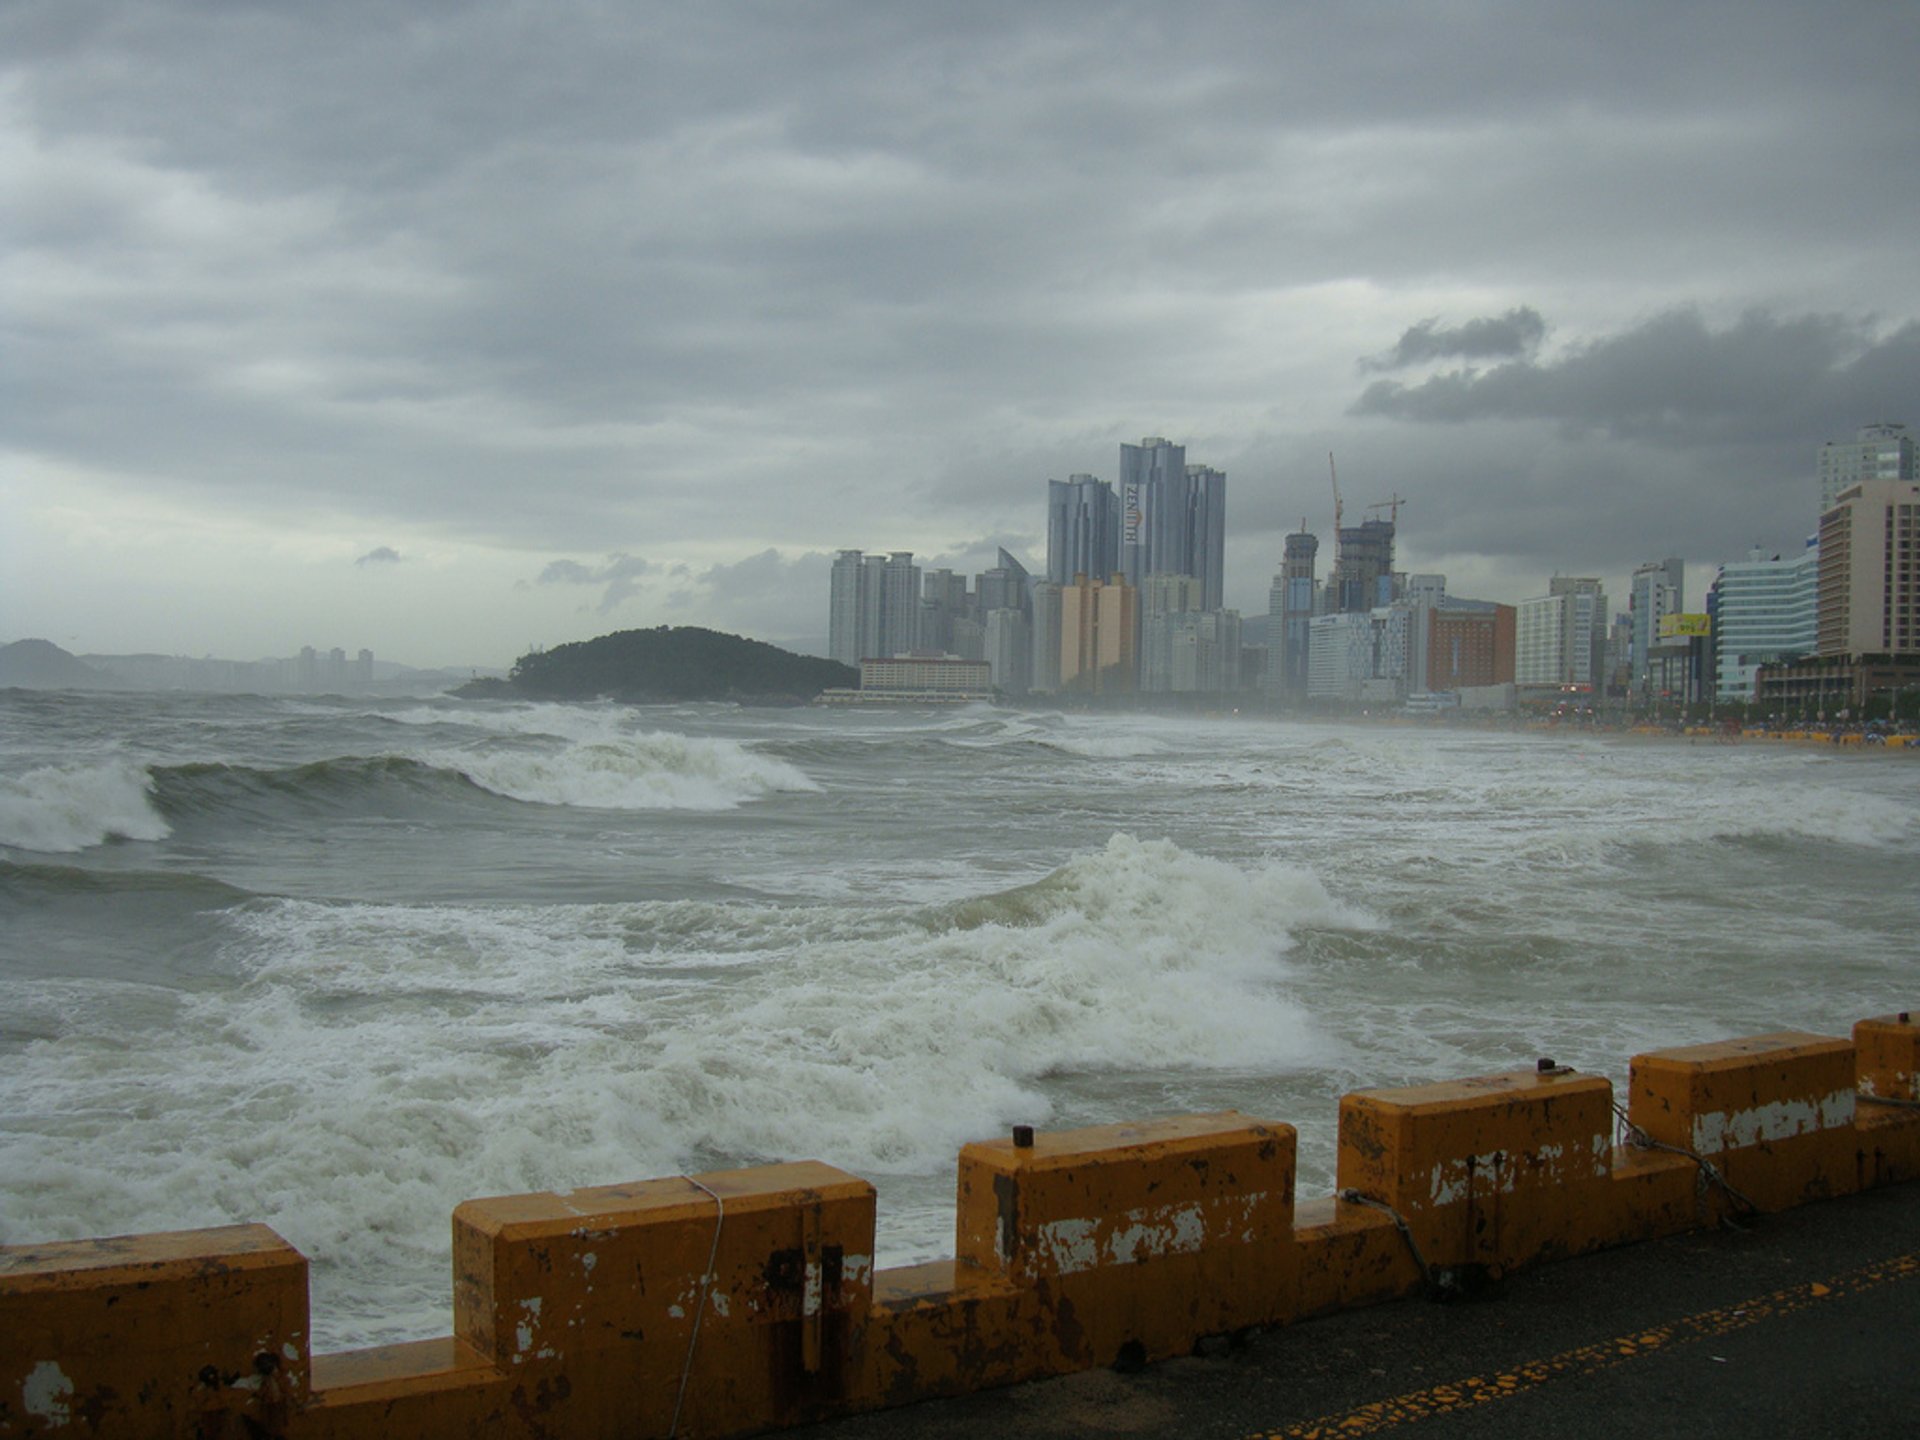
(1130, 604)
(1820, 628)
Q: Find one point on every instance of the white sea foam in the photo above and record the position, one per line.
(1799, 811)
(656, 771)
(380, 1063)
(585, 723)
(63, 809)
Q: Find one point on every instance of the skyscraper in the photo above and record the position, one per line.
(1173, 517)
(1869, 587)
(1561, 637)
(1876, 452)
(1099, 626)
(1289, 613)
(1154, 514)
(1658, 591)
(1207, 533)
(1083, 528)
(1763, 614)
(1362, 577)
(873, 606)
(1005, 587)
(900, 605)
(1164, 599)
(846, 608)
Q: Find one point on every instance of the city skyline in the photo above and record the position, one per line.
(468, 336)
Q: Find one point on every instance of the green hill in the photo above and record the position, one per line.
(680, 663)
(43, 665)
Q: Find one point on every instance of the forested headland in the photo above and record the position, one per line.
(666, 664)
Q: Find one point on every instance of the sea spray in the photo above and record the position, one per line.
(64, 809)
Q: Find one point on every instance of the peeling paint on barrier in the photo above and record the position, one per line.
(1068, 1247)
(47, 1392)
(1719, 1130)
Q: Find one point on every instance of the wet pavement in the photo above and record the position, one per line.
(1805, 1325)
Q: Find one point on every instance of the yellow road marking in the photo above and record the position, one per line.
(1587, 1359)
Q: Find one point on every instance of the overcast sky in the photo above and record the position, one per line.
(445, 329)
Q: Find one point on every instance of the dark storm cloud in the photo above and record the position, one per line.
(1802, 379)
(621, 575)
(1518, 332)
(385, 555)
(789, 278)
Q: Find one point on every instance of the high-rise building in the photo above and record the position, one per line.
(1154, 512)
(1339, 655)
(1007, 586)
(1362, 576)
(1469, 644)
(1007, 644)
(873, 607)
(1658, 591)
(1421, 594)
(1869, 585)
(1204, 652)
(1205, 555)
(1764, 613)
(1046, 637)
(1099, 626)
(900, 606)
(1876, 452)
(944, 600)
(1083, 528)
(1290, 607)
(1173, 517)
(1560, 638)
(1163, 598)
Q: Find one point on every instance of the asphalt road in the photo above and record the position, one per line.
(1806, 1325)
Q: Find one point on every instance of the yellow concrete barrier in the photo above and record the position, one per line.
(1773, 1114)
(745, 1300)
(1489, 1173)
(1887, 1059)
(1135, 1238)
(153, 1334)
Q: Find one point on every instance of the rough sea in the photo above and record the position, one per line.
(338, 964)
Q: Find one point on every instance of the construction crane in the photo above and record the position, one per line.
(1334, 476)
(1392, 507)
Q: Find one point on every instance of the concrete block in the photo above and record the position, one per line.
(1491, 1172)
(420, 1390)
(1887, 1057)
(154, 1335)
(1350, 1255)
(1139, 1239)
(1774, 1113)
(947, 1328)
(588, 1299)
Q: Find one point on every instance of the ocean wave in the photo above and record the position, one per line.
(639, 772)
(659, 771)
(41, 883)
(1093, 745)
(878, 1038)
(64, 809)
(1795, 812)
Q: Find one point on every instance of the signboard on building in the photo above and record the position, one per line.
(1130, 517)
(1684, 625)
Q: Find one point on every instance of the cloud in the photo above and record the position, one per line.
(385, 555)
(621, 574)
(1518, 332)
(1675, 378)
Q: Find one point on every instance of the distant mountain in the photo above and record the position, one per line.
(43, 665)
(680, 663)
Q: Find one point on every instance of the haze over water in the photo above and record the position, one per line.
(336, 965)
